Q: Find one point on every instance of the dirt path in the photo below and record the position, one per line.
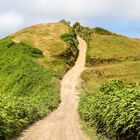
(63, 123)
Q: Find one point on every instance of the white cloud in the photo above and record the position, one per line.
(10, 19)
(80, 8)
(9, 22)
(35, 11)
(132, 10)
(76, 8)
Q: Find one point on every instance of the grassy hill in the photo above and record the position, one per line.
(95, 76)
(46, 37)
(110, 49)
(34, 60)
(110, 56)
(31, 67)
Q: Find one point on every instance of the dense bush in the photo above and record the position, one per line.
(102, 31)
(65, 22)
(27, 90)
(82, 31)
(71, 53)
(114, 110)
(77, 26)
(71, 39)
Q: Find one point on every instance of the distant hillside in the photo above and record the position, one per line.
(107, 107)
(109, 56)
(112, 57)
(107, 47)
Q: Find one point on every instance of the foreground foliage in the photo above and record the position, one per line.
(114, 110)
(27, 90)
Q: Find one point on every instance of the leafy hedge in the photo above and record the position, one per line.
(114, 110)
(71, 53)
(70, 39)
(84, 32)
(27, 90)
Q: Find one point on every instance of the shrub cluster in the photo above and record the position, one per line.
(84, 32)
(65, 22)
(102, 31)
(71, 53)
(114, 110)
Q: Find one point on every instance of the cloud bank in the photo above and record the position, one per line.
(16, 14)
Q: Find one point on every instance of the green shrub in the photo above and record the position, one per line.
(34, 52)
(114, 110)
(71, 53)
(82, 31)
(65, 22)
(102, 31)
(70, 38)
(77, 26)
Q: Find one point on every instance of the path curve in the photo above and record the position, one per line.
(63, 123)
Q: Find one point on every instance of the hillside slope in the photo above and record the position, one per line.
(46, 37)
(107, 107)
(31, 67)
(111, 49)
(109, 56)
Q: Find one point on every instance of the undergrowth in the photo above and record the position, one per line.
(114, 110)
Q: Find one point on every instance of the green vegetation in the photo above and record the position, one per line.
(84, 32)
(26, 89)
(70, 55)
(105, 47)
(110, 56)
(65, 22)
(101, 31)
(34, 60)
(91, 131)
(114, 110)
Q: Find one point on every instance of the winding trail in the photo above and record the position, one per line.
(63, 123)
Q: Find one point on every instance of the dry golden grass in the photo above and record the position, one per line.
(95, 76)
(45, 37)
(113, 47)
(124, 53)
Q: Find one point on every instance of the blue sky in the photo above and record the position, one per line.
(121, 16)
